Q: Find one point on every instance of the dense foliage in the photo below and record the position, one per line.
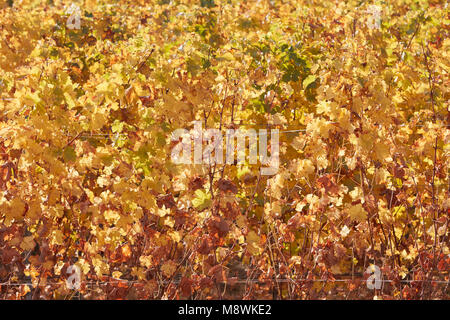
(85, 138)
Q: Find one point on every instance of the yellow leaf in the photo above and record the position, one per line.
(146, 261)
(28, 243)
(175, 235)
(169, 268)
(253, 241)
(357, 213)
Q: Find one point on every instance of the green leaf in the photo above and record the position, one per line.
(202, 200)
(69, 154)
(117, 126)
(309, 80)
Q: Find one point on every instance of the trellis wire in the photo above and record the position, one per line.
(231, 281)
(236, 124)
(280, 131)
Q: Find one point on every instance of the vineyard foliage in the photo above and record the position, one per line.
(85, 136)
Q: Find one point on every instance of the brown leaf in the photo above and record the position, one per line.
(328, 184)
(218, 225)
(217, 273)
(226, 186)
(205, 245)
(196, 183)
(166, 200)
(186, 286)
